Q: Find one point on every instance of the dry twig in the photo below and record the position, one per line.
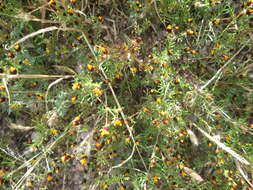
(224, 147)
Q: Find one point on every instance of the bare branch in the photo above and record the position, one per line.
(224, 147)
(44, 30)
(34, 76)
(226, 64)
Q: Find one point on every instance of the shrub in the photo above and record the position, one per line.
(126, 94)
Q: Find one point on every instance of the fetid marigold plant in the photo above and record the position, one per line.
(126, 94)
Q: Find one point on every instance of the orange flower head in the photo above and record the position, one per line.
(98, 91)
(190, 32)
(155, 179)
(90, 67)
(117, 123)
(13, 70)
(104, 132)
(76, 86)
(50, 177)
(190, 20)
(65, 157)
(17, 47)
(84, 162)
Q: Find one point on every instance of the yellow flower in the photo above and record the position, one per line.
(98, 145)
(73, 98)
(109, 140)
(40, 97)
(2, 5)
(76, 86)
(145, 109)
(13, 70)
(54, 131)
(104, 132)
(213, 51)
(181, 165)
(155, 62)
(90, 67)
(228, 137)
(217, 115)
(177, 81)
(127, 140)
(221, 162)
(152, 91)
(79, 38)
(182, 173)
(57, 170)
(17, 47)
(249, 11)
(2, 172)
(101, 18)
(98, 91)
(150, 56)
(193, 51)
(148, 68)
(162, 113)
(216, 21)
(169, 162)
(157, 81)
(225, 57)
(126, 174)
(76, 121)
(117, 123)
(2, 87)
(65, 157)
(152, 164)
(157, 148)
(156, 123)
(187, 49)
(217, 45)
(50, 177)
(190, 32)
(158, 100)
(180, 134)
(177, 28)
(118, 76)
(51, 2)
(70, 11)
(219, 171)
(133, 69)
(10, 54)
(103, 50)
(33, 84)
(155, 179)
(169, 27)
(213, 181)
(189, 19)
(29, 184)
(84, 162)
